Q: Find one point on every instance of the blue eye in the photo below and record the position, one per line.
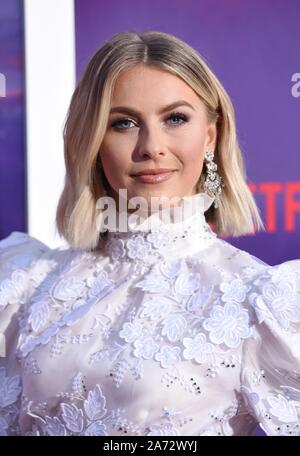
(121, 121)
(175, 115)
(178, 115)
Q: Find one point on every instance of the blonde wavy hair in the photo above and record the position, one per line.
(87, 121)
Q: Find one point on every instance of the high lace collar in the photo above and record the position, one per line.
(164, 233)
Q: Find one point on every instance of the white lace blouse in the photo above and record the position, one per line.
(168, 331)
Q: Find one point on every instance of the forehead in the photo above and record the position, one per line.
(142, 84)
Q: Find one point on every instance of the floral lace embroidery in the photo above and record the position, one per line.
(175, 303)
(228, 324)
(197, 348)
(10, 391)
(169, 317)
(13, 289)
(278, 298)
(83, 414)
(39, 313)
(275, 411)
(147, 247)
(86, 413)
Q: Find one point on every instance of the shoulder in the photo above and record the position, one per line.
(270, 376)
(231, 261)
(271, 293)
(275, 294)
(19, 250)
(24, 263)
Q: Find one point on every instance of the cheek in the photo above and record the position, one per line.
(114, 152)
(192, 167)
(114, 164)
(192, 154)
(196, 139)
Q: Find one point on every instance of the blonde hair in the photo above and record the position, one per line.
(87, 120)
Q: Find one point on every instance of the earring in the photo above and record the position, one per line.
(213, 182)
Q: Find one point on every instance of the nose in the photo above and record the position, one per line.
(151, 143)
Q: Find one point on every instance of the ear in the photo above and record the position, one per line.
(211, 137)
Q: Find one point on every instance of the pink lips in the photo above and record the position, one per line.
(153, 176)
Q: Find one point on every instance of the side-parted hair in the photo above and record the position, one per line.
(87, 121)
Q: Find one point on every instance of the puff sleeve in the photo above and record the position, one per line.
(18, 252)
(270, 371)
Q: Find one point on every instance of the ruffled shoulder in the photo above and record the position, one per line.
(275, 295)
(24, 263)
(18, 250)
(270, 376)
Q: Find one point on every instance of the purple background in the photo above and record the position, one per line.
(253, 47)
(12, 120)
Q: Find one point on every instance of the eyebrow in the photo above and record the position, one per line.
(132, 112)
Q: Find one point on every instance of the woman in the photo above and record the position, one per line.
(161, 328)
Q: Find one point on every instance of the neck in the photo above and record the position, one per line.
(163, 234)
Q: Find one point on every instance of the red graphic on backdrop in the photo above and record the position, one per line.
(291, 196)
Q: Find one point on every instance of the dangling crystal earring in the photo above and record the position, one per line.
(213, 182)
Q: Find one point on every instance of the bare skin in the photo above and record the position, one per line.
(176, 139)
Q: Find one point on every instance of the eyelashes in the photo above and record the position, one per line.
(178, 115)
